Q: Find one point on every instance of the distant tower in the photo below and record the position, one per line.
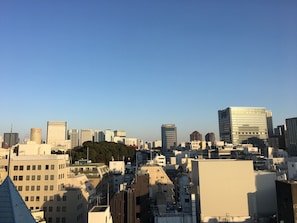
(269, 123)
(73, 136)
(195, 136)
(10, 139)
(169, 136)
(210, 137)
(36, 135)
(240, 124)
(86, 135)
(56, 133)
(291, 124)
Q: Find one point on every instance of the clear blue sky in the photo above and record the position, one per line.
(135, 65)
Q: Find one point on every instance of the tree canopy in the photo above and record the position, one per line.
(102, 152)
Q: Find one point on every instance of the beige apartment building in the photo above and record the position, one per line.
(44, 182)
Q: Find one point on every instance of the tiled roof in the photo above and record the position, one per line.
(12, 207)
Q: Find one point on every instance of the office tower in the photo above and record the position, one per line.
(243, 125)
(97, 135)
(280, 132)
(169, 136)
(56, 132)
(73, 136)
(86, 135)
(10, 139)
(195, 136)
(291, 124)
(108, 135)
(120, 133)
(210, 137)
(286, 201)
(35, 135)
(269, 123)
(226, 190)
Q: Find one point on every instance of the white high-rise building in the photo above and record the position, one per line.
(240, 124)
(73, 136)
(36, 135)
(56, 132)
(86, 135)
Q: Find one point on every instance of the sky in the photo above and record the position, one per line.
(135, 65)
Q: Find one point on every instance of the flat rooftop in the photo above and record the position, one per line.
(98, 209)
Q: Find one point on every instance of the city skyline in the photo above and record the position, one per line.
(137, 65)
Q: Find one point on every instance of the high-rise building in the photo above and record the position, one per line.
(73, 136)
(269, 123)
(10, 139)
(243, 125)
(56, 132)
(35, 135)
(291, 124)
(169, 136)
(195, 136)
(210, 137)
(280, 132)
(86, 135)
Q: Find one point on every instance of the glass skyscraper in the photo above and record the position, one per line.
(169, 136)
(241, 124)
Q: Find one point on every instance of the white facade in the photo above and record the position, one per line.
(108, 135)
(86, 135)
(56, 133)
(35, 135)
(225, 189)
(73, 136)
(131, 142)
(117, 166)
(120, 133)
(157, 143)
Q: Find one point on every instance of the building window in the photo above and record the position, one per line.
(45, 198)
(32, 198)
(21, 167)
(33, 177)
(26, 198)
(63, 220)
(58, 198)
(27, 188)
(32, 188)
(27, 177)
(64, 209)
(57, 220)
(38, 177)
(39, 167)
(50, 220)
(37, 198)
(51, 187)
(15, 178)
(46, 167)
(45, 187)
(28, 167)
(50, 209)
(52, 167)
(15, 167)
(20, 178)
(38, 187)
(64, 198)
(45, 177)
(20, 188)
(51, 198)
(52, 177)
(58, 209)
(33, 167)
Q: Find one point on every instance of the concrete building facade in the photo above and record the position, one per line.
(240, 124)
(56, 133)
(169, 136)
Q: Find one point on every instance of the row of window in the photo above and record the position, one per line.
(45, 198)
(33, 187)
(58, 209)
(33, 167)
(33, 177)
